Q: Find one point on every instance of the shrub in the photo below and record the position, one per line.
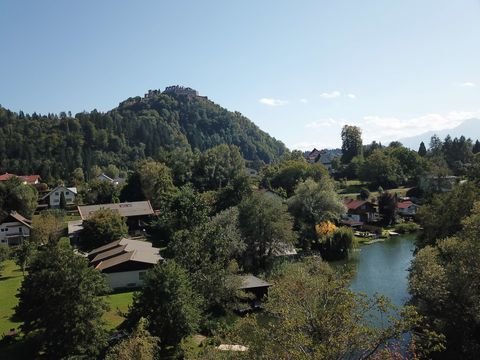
(406, 228)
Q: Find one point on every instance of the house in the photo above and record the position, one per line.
(253, 286)
(407, 208)
(324, 157)
(125, 262)
(14, 229)
(365, 210)
(25, 179)
(313, 155)
(52, 198)
(136, 212)
(116, 181)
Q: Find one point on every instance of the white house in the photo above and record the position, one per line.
(14, 229)
(53, 197)
(125, 262)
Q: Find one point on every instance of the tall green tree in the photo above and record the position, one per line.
(267, 228)
(422, 150)
(352, 144)
(4, 255)
(102, 227)
(208, 252)
(15, 196)
(60, 304)
(168, 302)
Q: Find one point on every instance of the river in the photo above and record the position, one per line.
(383, 268)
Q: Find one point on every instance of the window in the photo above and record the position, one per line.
(20, 229)
(141, 275)
(3, 230)
(56, 194)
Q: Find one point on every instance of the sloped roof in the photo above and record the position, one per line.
(21, 219)
(72, 189)
(353, 204)
(250, 282)
(123, 241)
(135, 208)
(31, 179)
(137, 256)
(405, 204)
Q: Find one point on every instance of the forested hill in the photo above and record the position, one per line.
(54, 145)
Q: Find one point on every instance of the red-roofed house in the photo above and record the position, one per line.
(26, 179)
(364, 210)
(407, 208)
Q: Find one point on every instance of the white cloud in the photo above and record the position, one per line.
(303, 101)
(330, 95)
(467, 84)
(272, 102)
(380, 127)
(352, 96)
(328, 122)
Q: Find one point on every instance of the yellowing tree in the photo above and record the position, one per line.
(325, 228)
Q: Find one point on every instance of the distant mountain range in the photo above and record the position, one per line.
(469, 128)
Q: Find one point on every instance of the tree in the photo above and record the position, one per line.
(364, 194)
(15, 196)
(387, 207)
(315, 316)
(168, 303)
(312, 203)
(208, 253)
(24, 253)
(78, 176)
(139, 345)
(287, 174)
(267, 229)
(102, 227)
(218, 167)
(100, 192)
(445, 284)
(186, 210)
(351, 143)
(63, 201)
(4, 255)
(60, 304)
(47, 227)
(422, 150)
(112, 171)
(476, 147)
(382, 169)
(442, 216)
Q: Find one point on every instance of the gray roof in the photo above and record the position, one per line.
(250, 282)
(136, 208)
(134, 244)
(21, 219)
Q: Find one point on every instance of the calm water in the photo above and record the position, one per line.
(383, 268)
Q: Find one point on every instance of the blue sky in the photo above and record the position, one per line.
(299, 69)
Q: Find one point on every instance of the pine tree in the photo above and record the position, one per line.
(422, 150)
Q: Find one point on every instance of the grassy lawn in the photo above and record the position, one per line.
(10, 280)
(118, 305)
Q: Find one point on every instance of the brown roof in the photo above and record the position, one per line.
(136, 208)
(122, 251)
(137, 256)
(405, 204)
